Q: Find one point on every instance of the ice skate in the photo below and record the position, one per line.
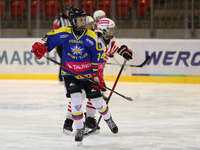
(67, 127)
(113, 127)
(90, 123)
(79, 136)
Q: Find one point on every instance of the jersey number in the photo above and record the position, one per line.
(100, 56)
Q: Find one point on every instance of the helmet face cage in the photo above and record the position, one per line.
(105, 25)
(75, 13)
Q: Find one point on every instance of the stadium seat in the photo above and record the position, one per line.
(18, 8)
(34, 5)
(105, 6)
(73, 3)
(124, 7)
(89, 6)
(2, 8)
(143, 7)
(52, 8)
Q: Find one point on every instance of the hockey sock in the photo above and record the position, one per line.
(76, 107)
(102, 107)
(90, 109)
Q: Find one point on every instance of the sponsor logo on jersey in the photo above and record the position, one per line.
(64, 36)
(80, 67)
(89, 41)
(75, 41)
(78, 107)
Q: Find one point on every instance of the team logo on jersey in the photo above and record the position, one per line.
(93, 90)
(99, 45)
(100, 108)
(71, 84)
(78, 107)
(77, 50)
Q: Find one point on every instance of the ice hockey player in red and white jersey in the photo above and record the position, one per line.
(106, 39)
(98, 15)
(106, 34)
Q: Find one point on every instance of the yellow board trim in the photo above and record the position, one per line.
(28, 77)
(148, 79)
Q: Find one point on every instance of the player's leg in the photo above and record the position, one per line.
(90, 121)
(73, 87)
(67, 127)
(98, 102)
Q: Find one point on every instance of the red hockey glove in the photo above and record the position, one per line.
(38, 49)
(125, 52)
(98, 77)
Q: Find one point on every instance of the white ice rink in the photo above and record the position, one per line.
(165, 117)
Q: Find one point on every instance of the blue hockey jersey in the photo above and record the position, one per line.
(81, 53)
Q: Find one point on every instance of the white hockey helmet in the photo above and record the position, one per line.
(105, 24)
(89, 19)
(98, 14)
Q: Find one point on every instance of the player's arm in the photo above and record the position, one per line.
(51, 40)
(97, 63)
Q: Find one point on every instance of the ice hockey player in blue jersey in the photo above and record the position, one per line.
(82, 53)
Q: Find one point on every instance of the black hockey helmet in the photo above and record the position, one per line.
(66, 7)
(75, 13)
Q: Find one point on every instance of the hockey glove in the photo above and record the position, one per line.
(125, 52)
(38, 49)
(111, 55)
(98, 77)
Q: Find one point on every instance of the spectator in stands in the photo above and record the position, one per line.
(62, 21)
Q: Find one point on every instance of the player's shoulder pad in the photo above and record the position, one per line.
(91, 33)
(60, 30)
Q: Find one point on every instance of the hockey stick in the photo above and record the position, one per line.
(118, 63)
(127, 98)
(95, 128)
(141, 65)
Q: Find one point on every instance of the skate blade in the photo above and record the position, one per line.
(67, 132)
(79, 143)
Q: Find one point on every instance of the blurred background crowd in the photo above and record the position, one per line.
(133, 18)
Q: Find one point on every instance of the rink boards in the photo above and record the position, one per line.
(172, 61)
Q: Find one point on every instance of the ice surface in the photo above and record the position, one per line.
(165, 117)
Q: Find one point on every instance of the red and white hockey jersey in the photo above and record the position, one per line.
(109, 48)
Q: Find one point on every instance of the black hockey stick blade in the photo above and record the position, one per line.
(141, 65)
(144, 63)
